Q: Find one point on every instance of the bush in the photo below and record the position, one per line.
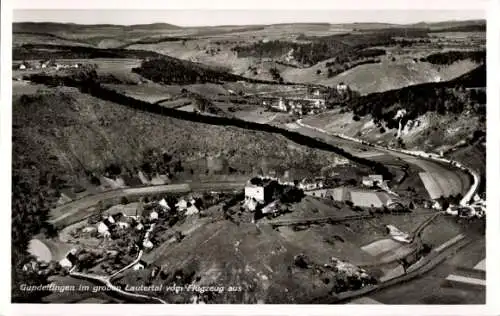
(356, 118)
(124, 200)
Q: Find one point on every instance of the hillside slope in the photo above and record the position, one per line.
(378, 77)
(67, 134)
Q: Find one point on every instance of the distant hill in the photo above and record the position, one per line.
(51, 28)
(458, 26)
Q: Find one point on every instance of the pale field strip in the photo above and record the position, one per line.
(366, 199)
(481, 265)
(379, 247)
(38, 249)
(449, 242)
(462, 279)
(364, 300)
(431, 185)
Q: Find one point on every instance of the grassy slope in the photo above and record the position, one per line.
(381, 77)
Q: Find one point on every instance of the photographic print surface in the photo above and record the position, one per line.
(248, 157)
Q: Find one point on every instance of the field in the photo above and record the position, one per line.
(38, 249)
(383, 76)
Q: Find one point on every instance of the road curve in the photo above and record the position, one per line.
(419, 154)
(71, 208)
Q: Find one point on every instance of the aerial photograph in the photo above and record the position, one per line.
(248, 157)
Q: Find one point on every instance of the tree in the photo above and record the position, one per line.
(124, 200)
(318, 72)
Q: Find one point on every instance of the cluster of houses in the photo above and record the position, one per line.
(297, 105)
(45, 64)
(475, 209)
(261, 192)
(143, 221)
(294, 105)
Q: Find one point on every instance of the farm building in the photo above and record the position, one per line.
(181, 205)
(373, 179)
(70, 260)
(147, 244)
(164, 205)
(192, 210)
(341, 87)
(102, 228)
(311, 184)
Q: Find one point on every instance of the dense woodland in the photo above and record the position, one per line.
(450, 57)
(42, 51)
(345, 47)
(167, 70)
(443, 98)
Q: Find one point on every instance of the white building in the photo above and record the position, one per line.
(111, 219)
(139, 227)
(254, 192)
(123, 225)
(153, 216)
(102, 228)
(191, 210)
(138, 266)
(373, 179)
(437, 206)
(281, 105)
(181, 205)
(88, 229)
(164, 205)
(22, 66)
(271, 208)
(341, 87)
(147, 244)
(65, 263)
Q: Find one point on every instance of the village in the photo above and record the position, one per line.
(313, 102)
(110, 239)
(45, 64)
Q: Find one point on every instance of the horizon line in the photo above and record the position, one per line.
(252, 24)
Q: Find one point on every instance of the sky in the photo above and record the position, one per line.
(241, 17)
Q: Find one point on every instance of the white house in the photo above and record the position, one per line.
(102, 228)
(139, 227)
(251, 204)
(147, 244)
(111, 219)
(138, 266)
(191, 210)
(123, 225)
(88, 229)
(341, 87)
(437, 206)
(65, 263)
(372, 180)
(281, 105)
(270, 208)
(254, 192)
(164, 205)
(181, 205)
(153, 216)
(22, 66)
